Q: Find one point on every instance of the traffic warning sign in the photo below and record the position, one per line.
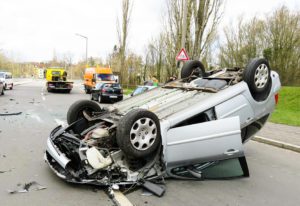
(182, 55)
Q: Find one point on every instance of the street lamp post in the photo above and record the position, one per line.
(86, 47)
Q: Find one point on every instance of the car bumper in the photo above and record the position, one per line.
(112, 97)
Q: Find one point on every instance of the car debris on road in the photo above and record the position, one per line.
(23, 188)
(10, 114)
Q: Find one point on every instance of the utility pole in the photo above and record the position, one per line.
(86, 47)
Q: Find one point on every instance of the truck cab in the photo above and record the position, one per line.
(95, 75)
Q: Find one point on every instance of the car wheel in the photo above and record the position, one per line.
(192, 68)
(100, 98)
(2, 93)
(75, 111)
(92, 98)
(257, 76)
(11, 86)
(138, 133)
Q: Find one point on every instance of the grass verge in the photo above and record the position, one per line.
(288, 109)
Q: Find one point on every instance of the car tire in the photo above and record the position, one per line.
(88, 91)
(192, 67)
(138, 133)
(100, 100)
(12, 85)
(2, 93)
(75, 111)
(257, 76)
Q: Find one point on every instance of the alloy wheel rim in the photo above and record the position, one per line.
(143, 133)
(261, 76)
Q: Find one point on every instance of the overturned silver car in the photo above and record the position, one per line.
(192, 128)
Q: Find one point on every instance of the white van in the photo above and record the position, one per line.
(6, 78)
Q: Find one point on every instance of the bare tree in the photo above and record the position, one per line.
(122, 37)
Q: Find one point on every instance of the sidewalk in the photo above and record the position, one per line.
(280, 135)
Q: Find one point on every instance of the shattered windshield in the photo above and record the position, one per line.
(106, 77)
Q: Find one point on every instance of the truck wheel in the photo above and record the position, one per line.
(138, 133)
(257, 76)
(75, 111)
(192, 67)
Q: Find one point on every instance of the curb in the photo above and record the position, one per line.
(276, 143)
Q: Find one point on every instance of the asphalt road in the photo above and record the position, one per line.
(274, 173)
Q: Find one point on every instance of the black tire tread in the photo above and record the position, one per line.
(189, 66)
(78, 106)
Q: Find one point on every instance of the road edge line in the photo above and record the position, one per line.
(276, 143)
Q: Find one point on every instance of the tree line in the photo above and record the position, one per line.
(194, 25)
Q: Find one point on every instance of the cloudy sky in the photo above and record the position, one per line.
(32, 30)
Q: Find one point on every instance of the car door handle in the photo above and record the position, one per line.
(231, 152)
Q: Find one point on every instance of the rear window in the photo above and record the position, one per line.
(8, 76)
(112, 85)
(56, 73)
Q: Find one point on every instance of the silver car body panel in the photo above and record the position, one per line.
(203, 142)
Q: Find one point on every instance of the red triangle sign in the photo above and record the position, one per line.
(182, 55)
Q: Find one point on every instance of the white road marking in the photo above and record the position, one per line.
(43, 94)
(121, 199)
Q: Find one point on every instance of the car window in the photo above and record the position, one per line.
(116, 85)
(98, 86)
(107, 85)
(1, 75)
(140, 90)
(224, 169)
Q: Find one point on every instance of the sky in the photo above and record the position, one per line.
(33, 30)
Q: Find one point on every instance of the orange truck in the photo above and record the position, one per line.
(94, 75)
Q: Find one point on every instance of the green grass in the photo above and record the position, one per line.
(127, 91)
(288, 109)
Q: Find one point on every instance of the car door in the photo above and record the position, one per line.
(193, 150)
